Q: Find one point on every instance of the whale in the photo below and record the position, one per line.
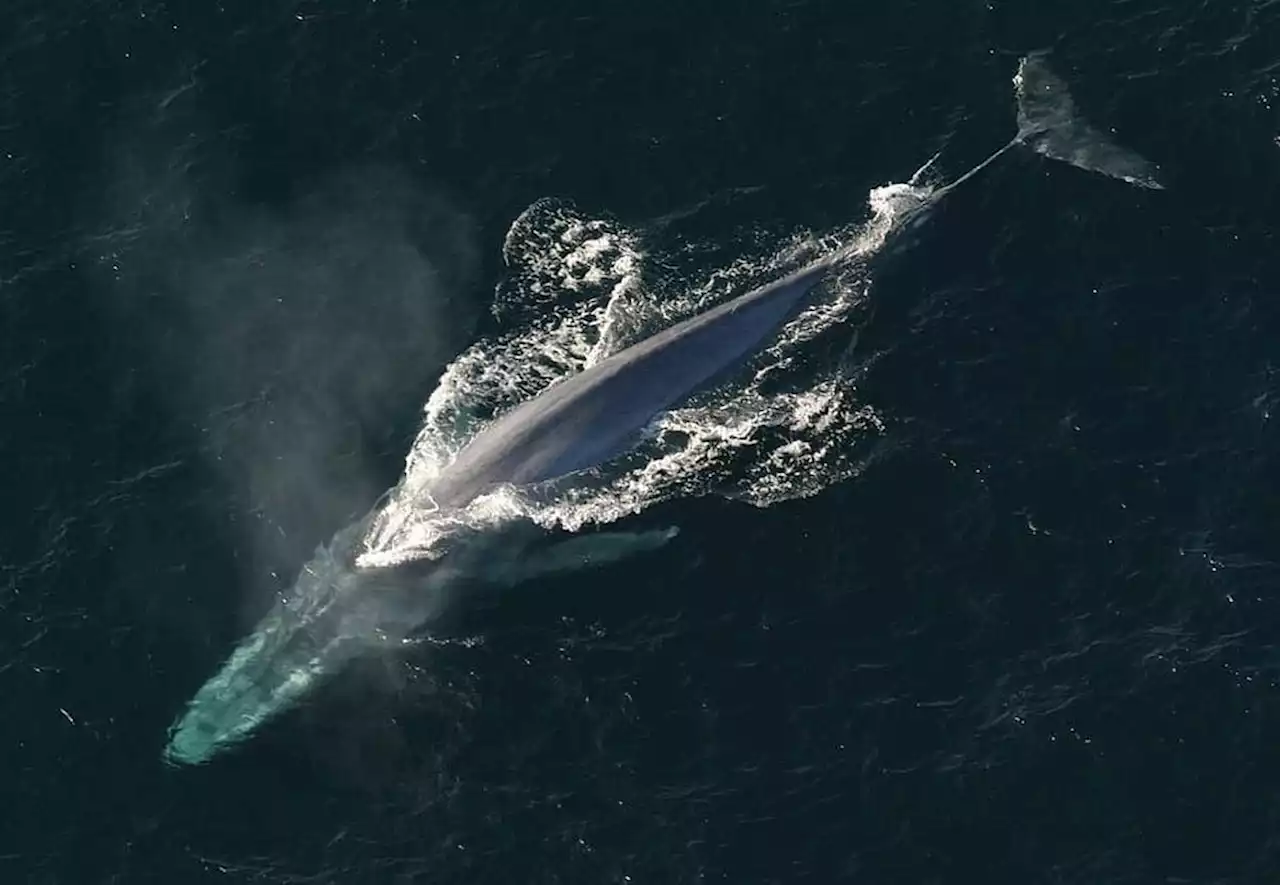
(337, 609)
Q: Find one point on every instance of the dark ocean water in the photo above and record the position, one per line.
(1037, 641)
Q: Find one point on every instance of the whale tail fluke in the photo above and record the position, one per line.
(1049, 124)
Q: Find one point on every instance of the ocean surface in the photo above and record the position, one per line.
(990, 593)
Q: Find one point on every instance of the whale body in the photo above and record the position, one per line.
(587, 419)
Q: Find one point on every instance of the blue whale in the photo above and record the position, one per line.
(336, 609)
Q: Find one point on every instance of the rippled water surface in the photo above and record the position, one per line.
(976, 569)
